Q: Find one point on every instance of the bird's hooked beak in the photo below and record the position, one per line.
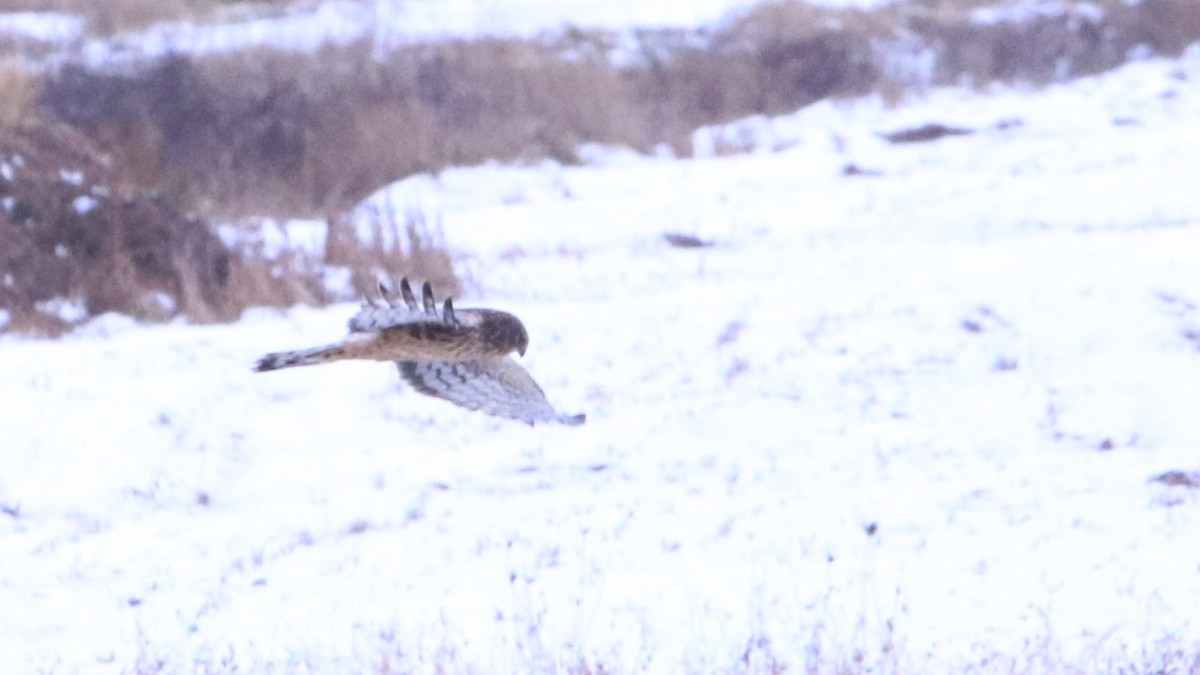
(521, 350)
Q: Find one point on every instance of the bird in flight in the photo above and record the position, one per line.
(460, 355)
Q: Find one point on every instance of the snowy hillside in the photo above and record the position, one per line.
(905, 413)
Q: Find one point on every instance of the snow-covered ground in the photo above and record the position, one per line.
(906, 420)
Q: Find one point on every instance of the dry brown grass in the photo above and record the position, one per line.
(272, 132)
(67, 234)
(391, 250)
(1051, 48)
(1165, 26)
(265, 131)
(21, 89)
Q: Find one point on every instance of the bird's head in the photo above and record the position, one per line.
(504, 332)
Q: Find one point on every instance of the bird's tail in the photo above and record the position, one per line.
(299, 357)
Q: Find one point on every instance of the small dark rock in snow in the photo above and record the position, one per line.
(856, 170)
(926, 133)
(1189, 479)
(685, 240)
(730, 334)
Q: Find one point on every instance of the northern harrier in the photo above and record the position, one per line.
(460, 355)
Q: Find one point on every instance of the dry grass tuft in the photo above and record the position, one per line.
(266, 131)
(390, 251)
(73, 246)
(1077, 41)
(65, 236)
(21, 89)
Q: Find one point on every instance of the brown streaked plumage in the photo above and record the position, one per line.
(460, 355)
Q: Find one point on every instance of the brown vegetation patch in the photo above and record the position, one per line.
(71, 238)
(263, 131)
(64, 234)
(273, 132)
(21, 89)
(1082, 38)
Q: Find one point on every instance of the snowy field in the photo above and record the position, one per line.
(904, 421)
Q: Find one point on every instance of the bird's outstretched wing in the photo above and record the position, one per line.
(496, 386)
(390, 310)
